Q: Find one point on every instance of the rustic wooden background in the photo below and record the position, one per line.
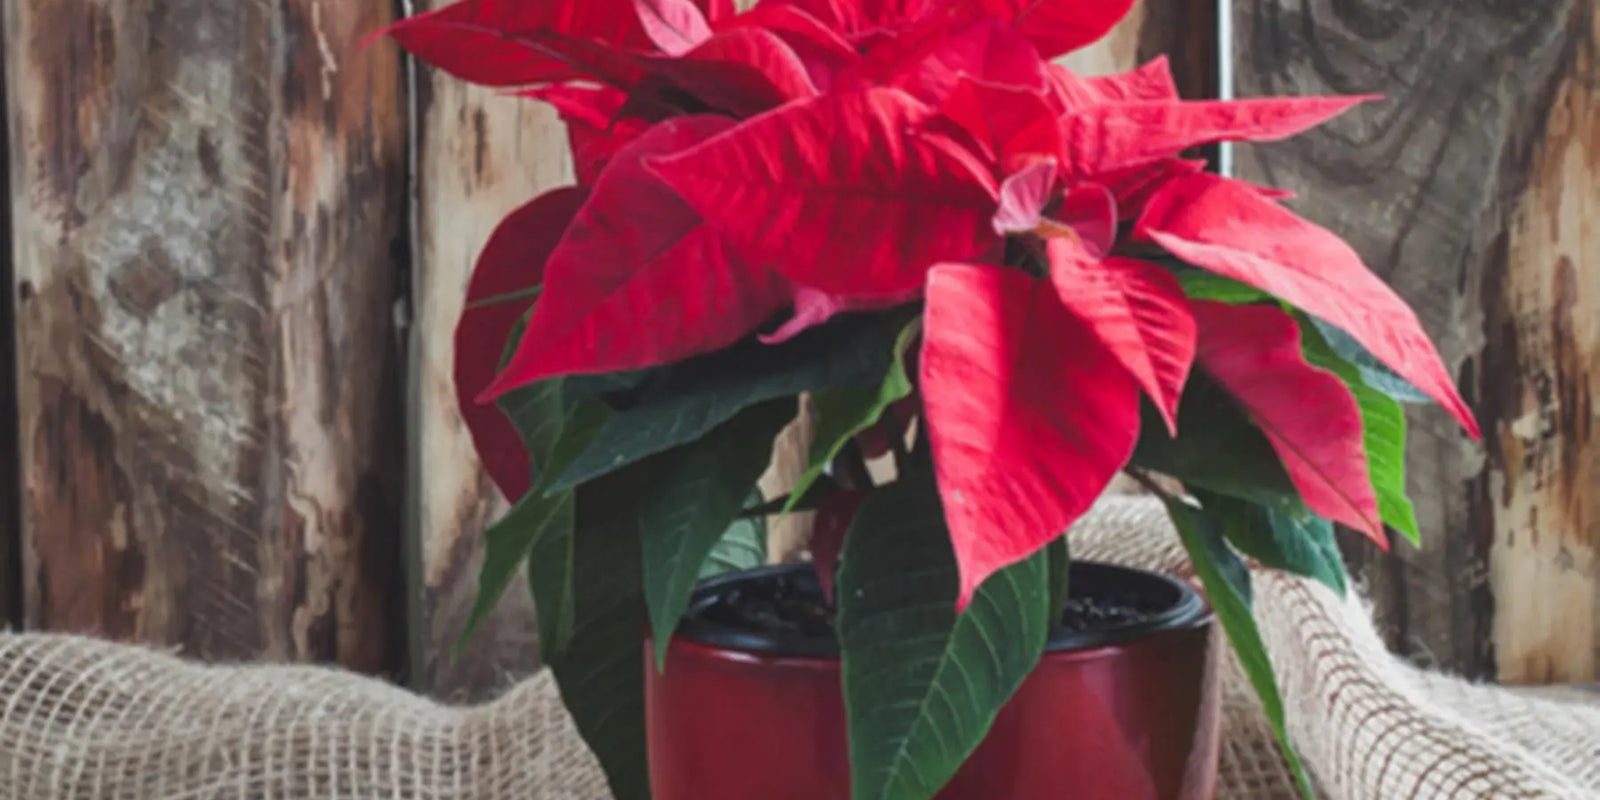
(239, 243)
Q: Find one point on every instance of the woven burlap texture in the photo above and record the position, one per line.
(81, 718)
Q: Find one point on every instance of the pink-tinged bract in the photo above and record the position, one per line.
(1231, 229)
(841, 193)
(1029, 417)
(1023, 197)
(634, 263)
(675, 26)
(1307, 413)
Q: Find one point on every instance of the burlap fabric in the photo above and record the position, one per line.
(86, 719)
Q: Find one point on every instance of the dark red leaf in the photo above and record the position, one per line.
(638, 280)
(1229, 228)
(1023, 197)
(675, 26)
(1107, 137)
(1138, 311)
(1028, 416)
(1308, 414)
(841, 193)
(502, 43)
(832, 522)
(594, 129)
(1057, 27)
(512, 262)
(743, 71)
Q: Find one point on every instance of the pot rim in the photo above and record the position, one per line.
(1186, 611)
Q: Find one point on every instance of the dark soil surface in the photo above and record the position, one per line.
(790, 605)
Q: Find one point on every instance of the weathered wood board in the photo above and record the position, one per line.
(480, 154)
(1474, 189)
(208, 200)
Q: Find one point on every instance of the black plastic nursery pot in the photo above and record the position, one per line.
(1123, 706)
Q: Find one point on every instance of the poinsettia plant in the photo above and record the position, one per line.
(1000, 271)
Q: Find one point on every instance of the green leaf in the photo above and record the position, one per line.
(1199, 284)
(742, 547)
(1218, 448)
(538, 528)
(1227, 585)
(1374, 373)
(922, 686)
(687, 400)
(844, 412)
(700, 490)
(1383, 430)
(1286, 537)
(821, 489)
(1060, 567)
(601, 673)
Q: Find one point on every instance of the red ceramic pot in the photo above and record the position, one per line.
(1126, 713)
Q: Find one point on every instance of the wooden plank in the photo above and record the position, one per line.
(10, 482)
(1473, 191)
(207, 197)
(480, 154)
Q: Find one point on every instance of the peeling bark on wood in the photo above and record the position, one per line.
(207, 197)
(1472, 190)
(480, 154)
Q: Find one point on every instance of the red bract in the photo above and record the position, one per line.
(594, 132)
(928, 63)
(507, 43)
(1010, 126)
(1307, 414)
(511, 265)
(1028, 415)
(1069, 91)
(1111, 136)
(1229, 228)
(635, 263)
(742, 72)
(841, 193)
(1138, 312)
(1057, 27)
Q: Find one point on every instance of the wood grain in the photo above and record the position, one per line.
(207, 196)
(1473, 191)
(10, 481)
(480, 154)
